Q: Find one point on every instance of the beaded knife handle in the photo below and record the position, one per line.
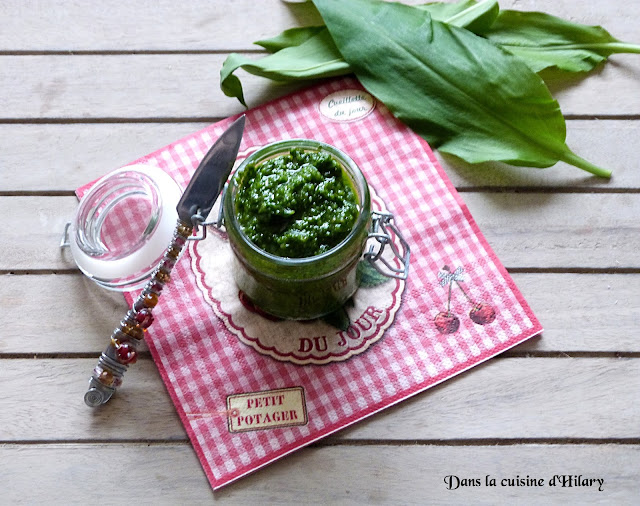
(194, 206)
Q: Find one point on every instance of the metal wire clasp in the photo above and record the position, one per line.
(385, 233)
(64, 240)
(200, 224)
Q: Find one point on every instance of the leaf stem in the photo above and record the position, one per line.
(619, 47)
(577, 161)
(613, 47)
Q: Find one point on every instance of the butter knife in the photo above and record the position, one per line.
(193, 208)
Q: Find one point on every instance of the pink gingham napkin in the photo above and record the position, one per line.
(242, 407)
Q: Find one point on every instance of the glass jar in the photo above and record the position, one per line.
(123, 225)
(298, 288)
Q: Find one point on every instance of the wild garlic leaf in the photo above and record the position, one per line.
(368, 275)
(475, 16)
(314, 58)
(310, 53)
(464, 95)
(290, 38)
(545, 41)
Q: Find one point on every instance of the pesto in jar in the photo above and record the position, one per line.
(296, 205)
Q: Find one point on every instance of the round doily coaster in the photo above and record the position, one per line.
(371, 310)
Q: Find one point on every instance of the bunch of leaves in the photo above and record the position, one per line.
(464, 76)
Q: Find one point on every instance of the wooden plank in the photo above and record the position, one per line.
(62, 157)
(579, 312)
(74, 315)
(583, 312)
(609, 144)
(520, 398)
(507, 399)
(31, 238)
(84, 152)
(41, 25)
(187, 86)
(123, 86)
(541, 230)
(581, 95)
(165, 474)
(559, 230)
(40, 388)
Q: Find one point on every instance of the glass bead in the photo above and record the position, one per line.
(131, 330)
(174, 252)
(162, 276)
(150, 299)
(144, 318)
(184, 230)
(167, 263)
(105, 377)
(179, 241)
(156, 287)
(126, 353)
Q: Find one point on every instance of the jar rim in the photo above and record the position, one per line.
(129, 268)
(278, 148)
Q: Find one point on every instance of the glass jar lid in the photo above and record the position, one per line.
(122, 226)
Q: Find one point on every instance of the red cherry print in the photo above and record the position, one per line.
(447, 323)
(482, 313)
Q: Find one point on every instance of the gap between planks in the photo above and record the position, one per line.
(470, 189)
(215, 119)
(129, 52)
(512, 270)
(108, 120)
(146, 355)
(330, 442)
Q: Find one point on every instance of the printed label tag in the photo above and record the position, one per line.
(347, 105)
(267, 410)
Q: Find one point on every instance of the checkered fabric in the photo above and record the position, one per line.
(202, 363)
(125, 224)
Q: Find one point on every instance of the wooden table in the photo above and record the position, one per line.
(88, 87)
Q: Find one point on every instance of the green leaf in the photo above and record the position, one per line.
(290, 38)
(446, 10)
(544, 41)
(312, 59)
(463, 94)
(309, 52)
(368, 276)
(477, 17)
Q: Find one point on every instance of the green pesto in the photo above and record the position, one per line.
(296, 205)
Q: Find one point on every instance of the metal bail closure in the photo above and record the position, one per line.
(200, 223)
(385, 232)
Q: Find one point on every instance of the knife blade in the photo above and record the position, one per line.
(209, 178)
(195, 204)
